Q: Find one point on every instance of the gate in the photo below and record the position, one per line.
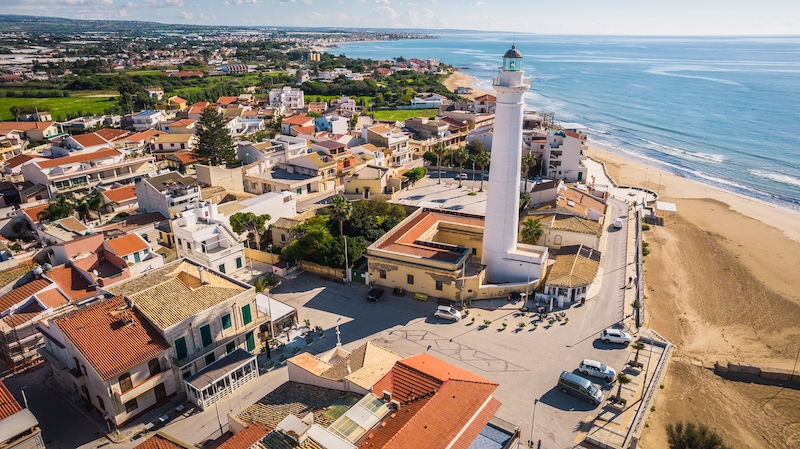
(359, 276)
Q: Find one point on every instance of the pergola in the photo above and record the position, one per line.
(664, 208)
(221, 378)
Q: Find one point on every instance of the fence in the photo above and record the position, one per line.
(638, 264)
(261, 256)
(333, 273)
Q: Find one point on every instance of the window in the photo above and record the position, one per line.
(210, 359)
(222, 268)
(131, 405)
(180, 348)
(203, 248)
(474, 251)
(205, 334)
(155, 367)
(238, 262)
(187, 374)
(180, 242)
(146, 251)
(251, 341)
(246, 317)
(226, 321)
(125, 258)
(283, 237)
(382, 274)
(188, 246)
(230, 347)
(101, 403)
(439, 285)
(125, 382)
(410, 279)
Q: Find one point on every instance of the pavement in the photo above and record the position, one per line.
(447, 195)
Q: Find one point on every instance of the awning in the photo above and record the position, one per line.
(220, 368)
(666, 207)
(275, 309)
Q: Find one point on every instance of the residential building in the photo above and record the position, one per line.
(204, 315)
(163, 192)
(248, 438)
(427, 101)
(20, 429)
(330, 147)
(137, 252)
(564, 156)
(332, 123)
(228, 178)
(12, 144)
(260, 179)
(155, 93)
(578, 201)
(276, 204)
(120, 199)
(296, 121)
(173, 103)
(167, 144)
(13, 165)
(82, 143)
(287, 97)
(317, 165)
(282, 235)
(394, 140)
(148, 119)
(572, 276)
(163, 441)
(484, 104)
(112, 357)
(568, 230)
(370, 153)
(38, 131)
(368, 180)
(184, 126)
(88, 170)
(274, 151)
(202, 233)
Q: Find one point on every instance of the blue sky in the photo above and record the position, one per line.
(616, 17)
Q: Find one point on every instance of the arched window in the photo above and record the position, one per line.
(155, 367)
(125, 382)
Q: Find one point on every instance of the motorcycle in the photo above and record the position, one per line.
(399, 291)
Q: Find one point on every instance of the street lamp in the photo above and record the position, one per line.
(533, 420)
(216, 404)
(24, 398)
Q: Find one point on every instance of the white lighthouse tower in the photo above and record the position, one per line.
(506, 260)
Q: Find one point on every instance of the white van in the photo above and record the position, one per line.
(618, 223)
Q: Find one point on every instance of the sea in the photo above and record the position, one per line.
(724, 111)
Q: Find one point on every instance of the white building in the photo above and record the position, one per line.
(273, 152)
(565, 153)
(163, 192)
(505, 258)
(148, 119)
(202, 234)
(288, 97)
(395, 141)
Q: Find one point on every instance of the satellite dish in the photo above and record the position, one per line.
(47, 267)
(94, 272)
(38, 271)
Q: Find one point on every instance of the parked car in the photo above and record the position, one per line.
(618, 223)
(594, 368)
(448, 313)
(579, 387)
(462, 176)
(615, 336)
(374, 294)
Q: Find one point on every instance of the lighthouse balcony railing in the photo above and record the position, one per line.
(496, 81)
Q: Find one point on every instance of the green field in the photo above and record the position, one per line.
(403, 114)
(57, 107)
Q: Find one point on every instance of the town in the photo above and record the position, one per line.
(310, 253)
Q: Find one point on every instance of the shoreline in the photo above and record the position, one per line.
(460, 79)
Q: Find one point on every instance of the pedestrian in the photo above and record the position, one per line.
(269, 354)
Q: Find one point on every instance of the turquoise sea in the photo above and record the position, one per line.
(724, 111)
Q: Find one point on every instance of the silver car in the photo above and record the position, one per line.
(594, 368)
(448, 313)
(615, 336)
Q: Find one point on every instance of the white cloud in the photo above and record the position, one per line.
(187, 15)
(385, 2)
(392, 14)
(206, 17)
(480, 3)
(305, 2)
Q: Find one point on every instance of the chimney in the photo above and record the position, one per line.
(202, 275)
(387, 396)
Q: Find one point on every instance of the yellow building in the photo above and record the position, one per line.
(437, 253)
(173, 103)
(369, 180)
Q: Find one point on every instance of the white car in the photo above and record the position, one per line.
(618, 223)
(448, 313)
(597, 369)
(463, 176)
(615, 336)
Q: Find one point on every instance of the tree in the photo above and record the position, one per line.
(638, 347)
(429, 158)
(415, 174)
(252, 223)
(482, 159)
(531, 231)
(439, 150)
(94, 202)
(691, 436)
(341, 209)
(622, 379)
(461, 155)
(58, 208)
(15, 111)
(214, 143)
(528, 162)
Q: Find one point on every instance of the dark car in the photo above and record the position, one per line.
(374, 294)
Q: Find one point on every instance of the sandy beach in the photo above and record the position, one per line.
(721, 284)
(460, 79)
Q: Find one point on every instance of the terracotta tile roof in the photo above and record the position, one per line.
(140, 136)
(25, 126)
(121, 194)
(563, 205)
(439, 369)
(186, 157)
(297, 120)
(177, 100)
(381, 434)
(33, 211)
(486, 97)
(18, 160)
(19, 318)
(99, 154)
(249, 436)
(112, 342)
(128, 244)
(304, 129)
(310, 363)
(584, 199)
(111, 133)
(74, 286)
(90, 140)
(52, 298)
(163, 441)
(474, 429)
(173, 293)
(8, 405)
(182, 123)
(226, 100)
(21, 293)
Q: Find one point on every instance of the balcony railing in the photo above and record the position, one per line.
(180, 363)
(137, 390)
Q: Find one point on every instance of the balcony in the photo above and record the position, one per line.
(137, 390)
(555, 155)
(202, 352)
(50, 357)
(87, 169)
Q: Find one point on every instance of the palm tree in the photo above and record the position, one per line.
(341, 210)
(528, 162)
(482, 159)
(461, 155)
(638, 347)
(59, 207)
(622, 379)
(531, 231)
(439, 150)
(691, 436)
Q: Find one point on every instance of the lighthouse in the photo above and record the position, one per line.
(507, 260)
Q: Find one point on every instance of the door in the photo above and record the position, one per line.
(160, 391)
(580, 176)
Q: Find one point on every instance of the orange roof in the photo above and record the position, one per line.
(184, 123)
(128, 244)
(22, 293)
(89, 140)
(96, 329)
(147, 134)
(99, 154)
(246, 438)
(18, 160)
(121, 194)
(582, 198)
(201, 104)
(297, 120)
(473, 430)
(402, 237)
(227, 100)
(52, 298)
(186, 157)
(304, 129)
(111, 133)
(33, 211)
(486, 97)
(25, 126)
(162, 441)
(177, 99)
(8, 405)
(439, 369)
(74, 286)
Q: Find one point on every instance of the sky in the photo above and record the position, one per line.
(593, 17)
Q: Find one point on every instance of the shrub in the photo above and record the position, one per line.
(309, 340)
(691, 435)
(295, 350)
(645, 227)
(487, 322)
(269, 364)
(282, 358)
(645, 248)
(472, 194)
(307, 322)
(505, 325)
(551, 321)
(521, 325)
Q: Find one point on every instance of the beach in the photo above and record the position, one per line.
(460, 79)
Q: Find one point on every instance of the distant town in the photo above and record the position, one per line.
(233, 238)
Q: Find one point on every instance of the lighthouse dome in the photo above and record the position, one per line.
(513, 53)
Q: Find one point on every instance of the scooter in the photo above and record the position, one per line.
(399, 291)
